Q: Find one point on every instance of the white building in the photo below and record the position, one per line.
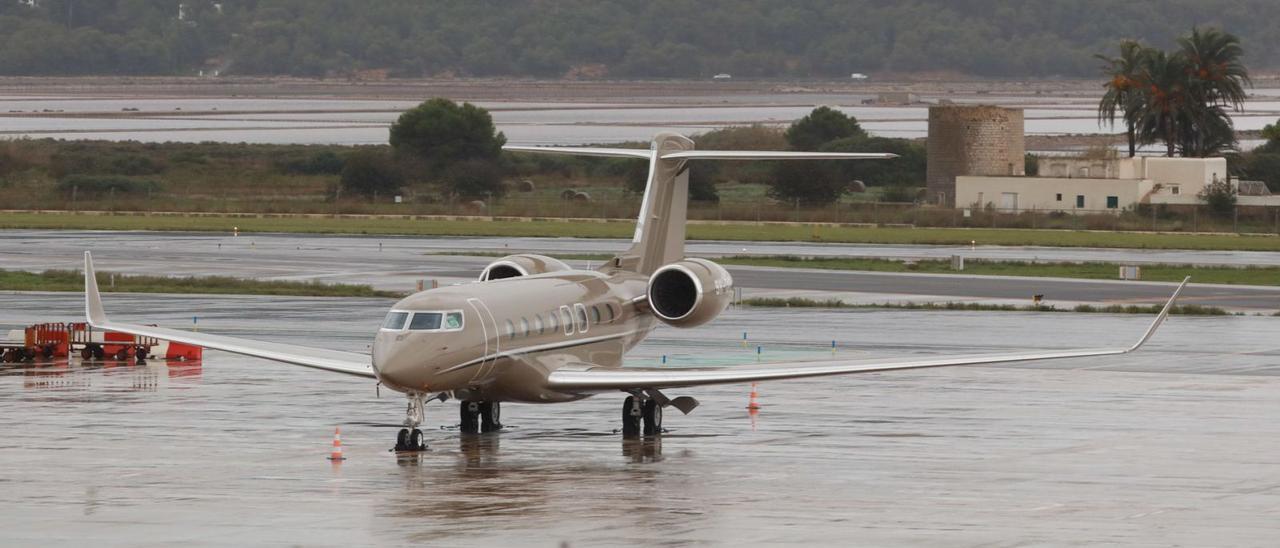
(1102, 184)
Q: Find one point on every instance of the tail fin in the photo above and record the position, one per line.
(660, 227)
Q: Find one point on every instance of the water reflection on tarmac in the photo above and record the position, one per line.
(1173, 445)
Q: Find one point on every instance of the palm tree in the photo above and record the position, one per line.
(1164, 98)
(1216, 80)
(1122, 89)
(1216, 74)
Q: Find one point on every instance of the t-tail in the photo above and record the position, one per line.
(660, 227)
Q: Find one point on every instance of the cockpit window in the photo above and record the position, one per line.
(425, 321)
(453, 320)
(395, 320)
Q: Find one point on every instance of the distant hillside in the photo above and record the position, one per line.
(602, 38)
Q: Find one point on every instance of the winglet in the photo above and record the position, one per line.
(1164, 313)
(92, 300)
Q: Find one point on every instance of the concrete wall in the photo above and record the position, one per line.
(1065, 166)
(1042, 193)
(971, 140)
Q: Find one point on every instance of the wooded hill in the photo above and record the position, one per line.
(605, 38)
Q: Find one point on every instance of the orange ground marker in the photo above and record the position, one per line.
(336, 455)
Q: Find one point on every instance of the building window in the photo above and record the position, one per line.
(1059, 196)
(1175, 190)
(1113, 202)
(1080, 201)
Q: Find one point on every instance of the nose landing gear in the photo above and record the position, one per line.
(410, 438)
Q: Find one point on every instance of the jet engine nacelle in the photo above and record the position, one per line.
(689, 293)
(526, 264)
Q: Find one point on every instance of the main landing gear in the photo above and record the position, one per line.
(641, 414)
(410, 438)
(480, 416)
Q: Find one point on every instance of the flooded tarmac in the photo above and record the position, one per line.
(1172, 445)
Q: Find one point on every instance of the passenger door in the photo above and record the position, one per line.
(492, 337)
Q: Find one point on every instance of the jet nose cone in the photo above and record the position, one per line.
(400, 369)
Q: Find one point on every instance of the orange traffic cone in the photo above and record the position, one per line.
(751, 404)
(336, 455)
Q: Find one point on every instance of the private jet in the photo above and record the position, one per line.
(532, 329)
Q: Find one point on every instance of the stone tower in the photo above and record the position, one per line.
(972, 140)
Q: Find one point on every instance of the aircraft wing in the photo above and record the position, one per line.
(588, 378)
(317, 358)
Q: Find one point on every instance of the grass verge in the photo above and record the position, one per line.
(621, 229)
(801, 302)
(73, 280)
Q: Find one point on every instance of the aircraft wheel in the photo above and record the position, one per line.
(402, 440)
(415, 441)
(469, 413)
(86, 353)
(652, 418)
(631, 417)
(47, 351)
(99, 353)
(122, 354)
(490, 416)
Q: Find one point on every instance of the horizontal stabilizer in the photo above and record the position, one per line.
(641, 153)
(702, 154)
(774, 155)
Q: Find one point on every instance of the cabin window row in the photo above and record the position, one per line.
(576, 319)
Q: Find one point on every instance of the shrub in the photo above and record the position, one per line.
(368, 173)
(321, 163)
(97, 162)
(96, 185)
(1220, 197)
(473, 179)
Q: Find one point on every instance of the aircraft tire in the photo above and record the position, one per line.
(652, 418)
(415, 441)
(490, 416)
(402, 440)
(469, 419)
(630, 420)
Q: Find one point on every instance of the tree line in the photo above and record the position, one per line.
(601, 38)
